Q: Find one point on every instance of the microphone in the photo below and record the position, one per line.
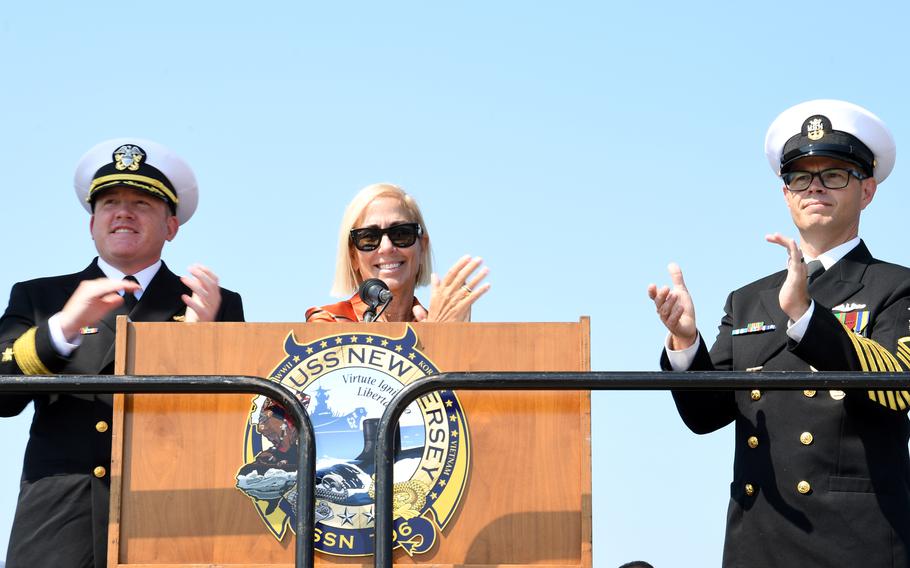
(374, 292)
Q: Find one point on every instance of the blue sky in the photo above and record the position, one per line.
(577, 146)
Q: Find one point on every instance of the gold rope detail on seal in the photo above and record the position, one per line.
(408, 498)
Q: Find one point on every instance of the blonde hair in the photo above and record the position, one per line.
(346, 278)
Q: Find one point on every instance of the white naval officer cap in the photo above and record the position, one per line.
(834, 129)
(138, 164)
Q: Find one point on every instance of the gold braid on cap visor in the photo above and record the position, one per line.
(144, 182)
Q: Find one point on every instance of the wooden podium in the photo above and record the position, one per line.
(526, 500)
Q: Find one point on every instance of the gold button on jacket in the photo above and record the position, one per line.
(756, 394)
(803, 487)
(809, 393)
(752, 441)
(806, 438)
(99, 472)
(750, 490)
(101, 426)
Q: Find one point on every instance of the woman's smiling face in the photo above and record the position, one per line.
(397, 267)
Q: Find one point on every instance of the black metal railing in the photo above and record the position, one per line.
(306, 464)
(384, 544)
(713, 380)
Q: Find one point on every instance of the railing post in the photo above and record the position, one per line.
(204, 384)
(704, 380)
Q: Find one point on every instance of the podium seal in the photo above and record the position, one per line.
(345, 381)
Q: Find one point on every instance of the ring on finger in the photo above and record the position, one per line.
(467, 291)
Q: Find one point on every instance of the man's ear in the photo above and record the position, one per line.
(868, 186)
(172, 226)
(91, 226)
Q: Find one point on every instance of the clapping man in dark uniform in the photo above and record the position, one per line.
(820, 478)
(138, 193)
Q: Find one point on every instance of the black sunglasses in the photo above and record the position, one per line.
(402, 236)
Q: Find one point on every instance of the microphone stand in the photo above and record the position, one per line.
(370, 314)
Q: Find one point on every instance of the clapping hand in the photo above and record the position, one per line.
(452, 296)
(675, 308)
(91, 301)
(206, 299)
(794, 294)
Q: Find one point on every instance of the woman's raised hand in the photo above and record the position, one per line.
(452, 296)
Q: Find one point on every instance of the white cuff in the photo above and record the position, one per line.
(682, 359)
(797, 329)
(61, 345)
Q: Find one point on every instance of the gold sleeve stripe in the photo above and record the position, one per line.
(879, 361)
(892, 360)
(893, 364)
(860, 354)
(873, 357)
(887, 359)
(870, 358)
(890, 399)
(884, 360)
(26, 354)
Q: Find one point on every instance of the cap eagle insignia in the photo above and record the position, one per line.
(128, 157)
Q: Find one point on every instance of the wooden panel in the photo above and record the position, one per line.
(527, 500)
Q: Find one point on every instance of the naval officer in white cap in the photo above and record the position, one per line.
(138, 193)
(820, 478)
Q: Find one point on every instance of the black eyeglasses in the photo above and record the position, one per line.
(832, 178)
(403, 235)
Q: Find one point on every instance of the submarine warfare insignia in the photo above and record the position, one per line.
(345, 382)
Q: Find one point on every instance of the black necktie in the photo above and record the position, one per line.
(815, 268)
(129, 299)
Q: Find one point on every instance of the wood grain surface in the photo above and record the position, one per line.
(174, 500)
